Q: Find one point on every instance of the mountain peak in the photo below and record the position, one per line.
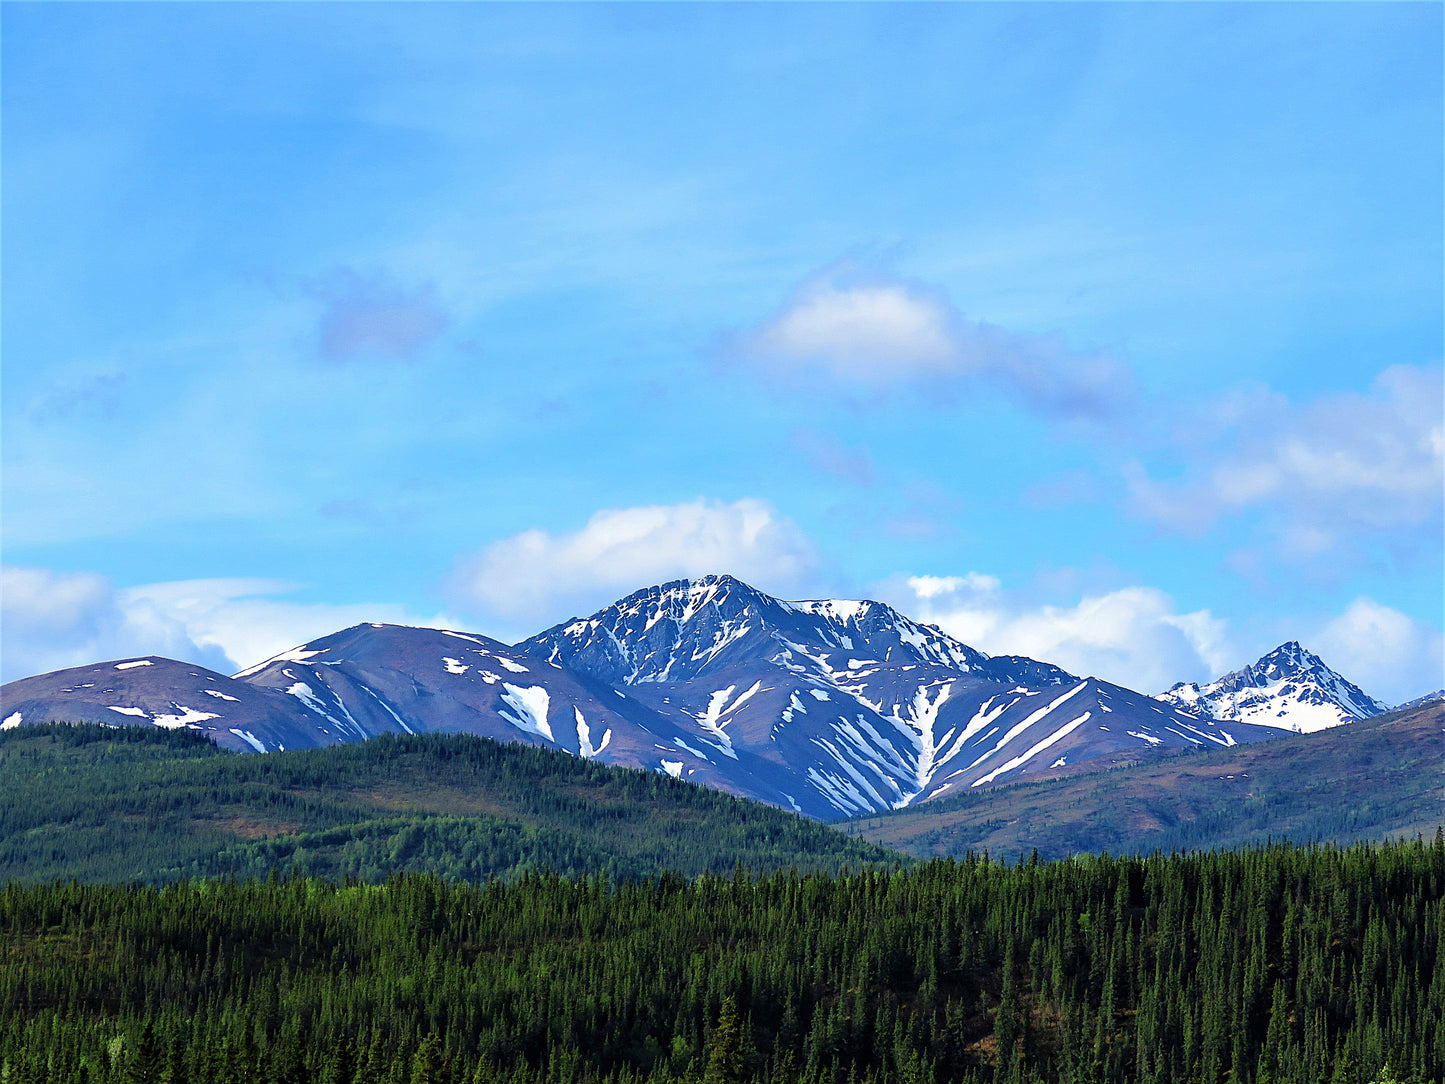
(1292, 654)
(362, 639)
(1290, 687)
(677, 630)
(680, 599)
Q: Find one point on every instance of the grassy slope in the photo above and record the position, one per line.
(1376, 779)
(106, 805)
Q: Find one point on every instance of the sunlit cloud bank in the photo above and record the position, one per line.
(1133, 636)
(1385, 652)
(535, 578)
(1137, 637)
(52, 620)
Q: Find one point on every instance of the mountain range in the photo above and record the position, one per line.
(829, 708)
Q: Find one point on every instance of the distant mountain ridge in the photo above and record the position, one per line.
(722, 621)
(1421, 701)
(827, 707)
(1289, 688)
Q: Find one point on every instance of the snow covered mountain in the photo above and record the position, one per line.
(692, 628)
(1290, 688)
(850, 706)
(828, 707)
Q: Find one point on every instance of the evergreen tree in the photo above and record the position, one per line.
(725, 1048)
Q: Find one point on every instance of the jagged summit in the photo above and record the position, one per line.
(668, 632)
(679, 630)
(882, 628)
(680, 599)
(1290, 688)
(1290, 658)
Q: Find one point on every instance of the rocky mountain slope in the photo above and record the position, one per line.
(165, 693)
(1420, 701)
(851, 706)
(1379, 778)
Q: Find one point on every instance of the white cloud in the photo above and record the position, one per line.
(878, 330)
(873, 331)
(54, 620)
(242, 618)
(1324, 474)
(1385, 652)
(929, 587)
(1132, 636)
(535, 578)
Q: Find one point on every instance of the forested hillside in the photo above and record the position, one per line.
(1273, 965)
(108, 804)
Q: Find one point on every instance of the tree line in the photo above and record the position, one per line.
(1277, 964)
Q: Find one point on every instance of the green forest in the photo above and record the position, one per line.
(122, 804)
(1310, 965)
(446, 909)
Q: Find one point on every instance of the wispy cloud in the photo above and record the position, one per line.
(370, 315)
(94, 396)
(1324, 475)
(1061, 490)
(862, 326)
(829, 454)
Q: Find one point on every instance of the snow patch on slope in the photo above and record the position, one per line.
(185, 717)
(530, 702)
(1018, 761)
(585, 748)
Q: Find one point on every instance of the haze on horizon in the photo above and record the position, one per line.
(1109, 335)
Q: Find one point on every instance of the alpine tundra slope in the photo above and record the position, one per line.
(830, 708)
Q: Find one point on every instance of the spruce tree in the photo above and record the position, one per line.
(725, 1048)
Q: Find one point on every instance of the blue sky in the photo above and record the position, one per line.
(1109, 333)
